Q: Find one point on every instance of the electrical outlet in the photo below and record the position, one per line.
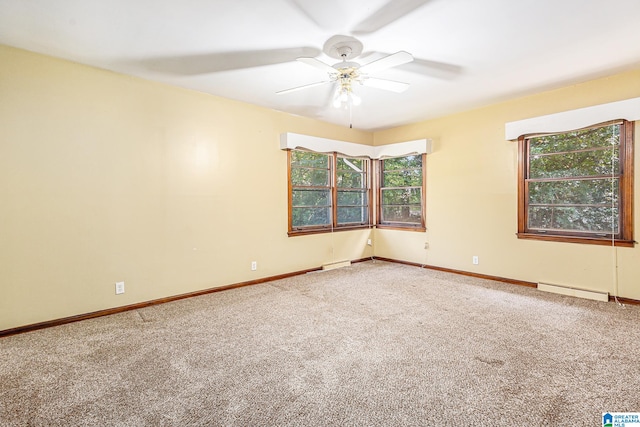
(426, 245)
(119, 288)
(254, 265)
(369, 242)
(475, 260)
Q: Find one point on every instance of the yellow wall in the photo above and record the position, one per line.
(472, 197)
(107, 178)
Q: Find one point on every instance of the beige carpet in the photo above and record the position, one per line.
(367, 345)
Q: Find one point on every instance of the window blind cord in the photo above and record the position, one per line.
(333, 249)
(614, 250)
(370, 221)
(372, 239)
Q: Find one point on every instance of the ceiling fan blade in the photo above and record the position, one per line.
(318, 64)
(390, 12)
(390, 85)
(294, 89)
(225, 61)
(388, 61)
(439, 70)
(325, 14)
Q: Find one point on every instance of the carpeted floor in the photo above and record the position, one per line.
(371, 344)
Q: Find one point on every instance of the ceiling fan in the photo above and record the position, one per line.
(347, 73)
(325, 15)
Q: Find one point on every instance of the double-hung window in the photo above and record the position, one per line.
(577, 186)
(401, 192)
(327, 191)
(353, 191)
(310, 192)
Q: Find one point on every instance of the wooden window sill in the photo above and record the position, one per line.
(576, 239)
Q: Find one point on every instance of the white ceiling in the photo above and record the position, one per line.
(468, 53)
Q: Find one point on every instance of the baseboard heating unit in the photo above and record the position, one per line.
(337, 264)
(574, 292)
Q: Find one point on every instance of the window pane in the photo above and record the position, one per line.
(310, 216)
(579, 140)
(352, 215)
(352, 179)
(355, 165)
(351, 198)
(307, 159)
(576, 218)
(585, 163)
(311, 197)
(583, 192)
(402, 178)
(409, 162)
(405, 214)
(406, 196)
(312, 177)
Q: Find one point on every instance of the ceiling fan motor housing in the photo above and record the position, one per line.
(343, 47)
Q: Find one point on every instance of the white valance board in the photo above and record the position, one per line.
(566, 121)
(292, 141)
